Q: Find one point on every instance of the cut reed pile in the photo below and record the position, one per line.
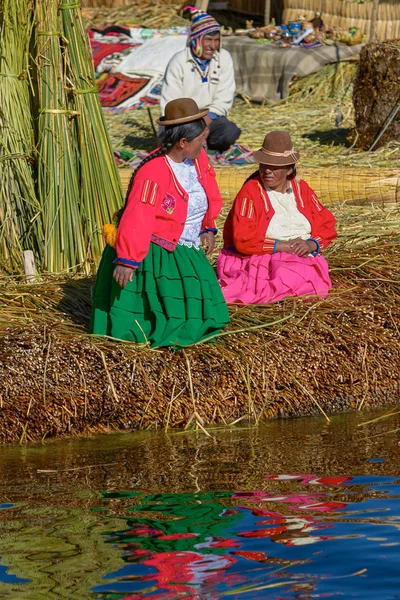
(291, 358)
(376, 95)
(145, 13)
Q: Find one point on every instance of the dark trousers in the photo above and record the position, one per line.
(223, 134)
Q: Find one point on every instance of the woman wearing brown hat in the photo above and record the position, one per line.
(155, 284)
(275, 232)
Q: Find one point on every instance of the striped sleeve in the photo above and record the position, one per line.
(137, 222)
(269, 245)
(247, 208)
(149, 192)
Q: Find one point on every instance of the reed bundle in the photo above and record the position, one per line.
(332, 184)
(20, 225)
(58, 159)
(100, 190)
(78, 183)
(342, 14)
(295, 357)
(59, 181)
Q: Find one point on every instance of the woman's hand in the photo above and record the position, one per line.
(208, 242)
(302, 247)
(123, 275)
(284, 246)
(297, 246)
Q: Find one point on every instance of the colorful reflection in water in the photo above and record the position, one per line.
(291, 510)
(256, 544)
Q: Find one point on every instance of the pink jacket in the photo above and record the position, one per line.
(157, 207)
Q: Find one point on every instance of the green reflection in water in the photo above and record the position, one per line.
(61, 552)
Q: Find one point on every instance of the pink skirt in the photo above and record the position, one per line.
(263, 278)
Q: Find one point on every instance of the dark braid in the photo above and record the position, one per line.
(155, 154)
(252, 176)
(172, 135)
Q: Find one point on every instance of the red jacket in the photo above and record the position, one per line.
(248, 220)
(157, 208)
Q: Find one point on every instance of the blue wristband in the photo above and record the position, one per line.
(318, 250)
(127, 262)
(213, 229)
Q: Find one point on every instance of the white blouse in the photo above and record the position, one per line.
(287, 222)
(186, 174)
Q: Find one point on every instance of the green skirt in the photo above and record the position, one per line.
(174, 299)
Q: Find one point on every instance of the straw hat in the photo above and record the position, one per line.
(180, 111)
(277, 150)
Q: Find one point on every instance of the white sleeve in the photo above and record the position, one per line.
(172, 86)
(225, 93)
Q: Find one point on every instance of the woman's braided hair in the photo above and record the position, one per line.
(172, 135)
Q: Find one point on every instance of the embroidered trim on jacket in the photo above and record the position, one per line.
(317, 202)
(149, 192)
(162, 242)
(299, 193)
(247, 208)
(269, 245)
(265, 198)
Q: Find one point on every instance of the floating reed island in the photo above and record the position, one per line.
(296, 357)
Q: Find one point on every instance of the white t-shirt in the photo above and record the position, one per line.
(186, 174)
(287, 222)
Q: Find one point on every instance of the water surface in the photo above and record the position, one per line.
(294, 509)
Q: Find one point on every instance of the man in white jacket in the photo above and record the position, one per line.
(204, 72)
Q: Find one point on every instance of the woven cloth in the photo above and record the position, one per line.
(263, 71)
(236, 156)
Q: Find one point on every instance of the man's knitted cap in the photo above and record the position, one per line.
(202, 23)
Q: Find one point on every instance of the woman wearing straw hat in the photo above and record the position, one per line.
(155, 284)
(275, 232)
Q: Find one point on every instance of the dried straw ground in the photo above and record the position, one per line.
(297, 357)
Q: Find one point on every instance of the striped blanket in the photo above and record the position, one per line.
(263, 71)
(237, 155)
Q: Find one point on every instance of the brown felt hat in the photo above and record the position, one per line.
(180, 111)
(277, 150)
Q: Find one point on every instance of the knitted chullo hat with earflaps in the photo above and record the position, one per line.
(201, 25)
